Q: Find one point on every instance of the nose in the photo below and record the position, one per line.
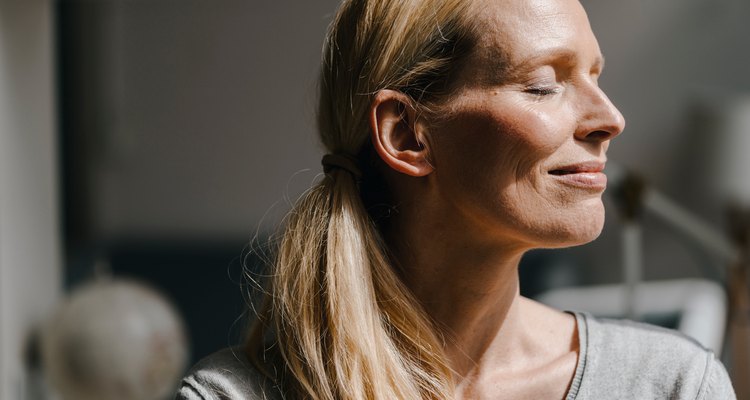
(600, 120)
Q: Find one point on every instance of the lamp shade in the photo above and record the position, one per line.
(730, 128)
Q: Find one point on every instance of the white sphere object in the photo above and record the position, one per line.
(114, 340)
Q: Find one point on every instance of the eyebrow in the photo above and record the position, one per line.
(564, 54)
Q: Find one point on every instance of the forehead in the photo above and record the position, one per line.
(520, 30)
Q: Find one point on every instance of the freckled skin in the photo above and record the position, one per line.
(527, 103)
(494, 152)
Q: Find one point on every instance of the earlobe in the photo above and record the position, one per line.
(396, 134)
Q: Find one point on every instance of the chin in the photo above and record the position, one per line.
(574, 228)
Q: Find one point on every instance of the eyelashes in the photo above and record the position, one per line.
(542, 90)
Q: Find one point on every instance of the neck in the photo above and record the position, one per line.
(468, 285)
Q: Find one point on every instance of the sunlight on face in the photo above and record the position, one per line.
(522, 151)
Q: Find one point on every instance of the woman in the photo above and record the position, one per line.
(461, 134)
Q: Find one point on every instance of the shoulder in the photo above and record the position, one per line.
(226, 374)
(646, 361)
(633, 342)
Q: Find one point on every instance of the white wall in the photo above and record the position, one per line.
(29, 250)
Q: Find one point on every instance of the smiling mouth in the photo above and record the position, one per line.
(586, 175)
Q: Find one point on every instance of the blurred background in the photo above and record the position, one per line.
(150, 140)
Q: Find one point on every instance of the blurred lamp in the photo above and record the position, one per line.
(727, 121)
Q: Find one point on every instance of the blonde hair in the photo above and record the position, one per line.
(343, 322)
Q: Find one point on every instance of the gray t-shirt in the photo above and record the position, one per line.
(618, 360)
(628, 360)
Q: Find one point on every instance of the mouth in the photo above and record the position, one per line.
(579, 168)
(586, 175)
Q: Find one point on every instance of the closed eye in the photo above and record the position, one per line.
(542, 91)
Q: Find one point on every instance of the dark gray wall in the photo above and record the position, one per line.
(664, 59)
(204, 111)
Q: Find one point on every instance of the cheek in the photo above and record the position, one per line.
(492, 167)
(505, 146)
(489, 163)
(535, 131)
(481, 140)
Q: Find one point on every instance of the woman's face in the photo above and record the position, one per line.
(523, 146)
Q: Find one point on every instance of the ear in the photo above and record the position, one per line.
(396, 134)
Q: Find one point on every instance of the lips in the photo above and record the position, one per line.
(585, 175)
(583, 167)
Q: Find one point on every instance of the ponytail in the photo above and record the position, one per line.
(345, 325)
(340, 319)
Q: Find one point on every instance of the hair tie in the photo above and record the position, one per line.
(342, 161)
